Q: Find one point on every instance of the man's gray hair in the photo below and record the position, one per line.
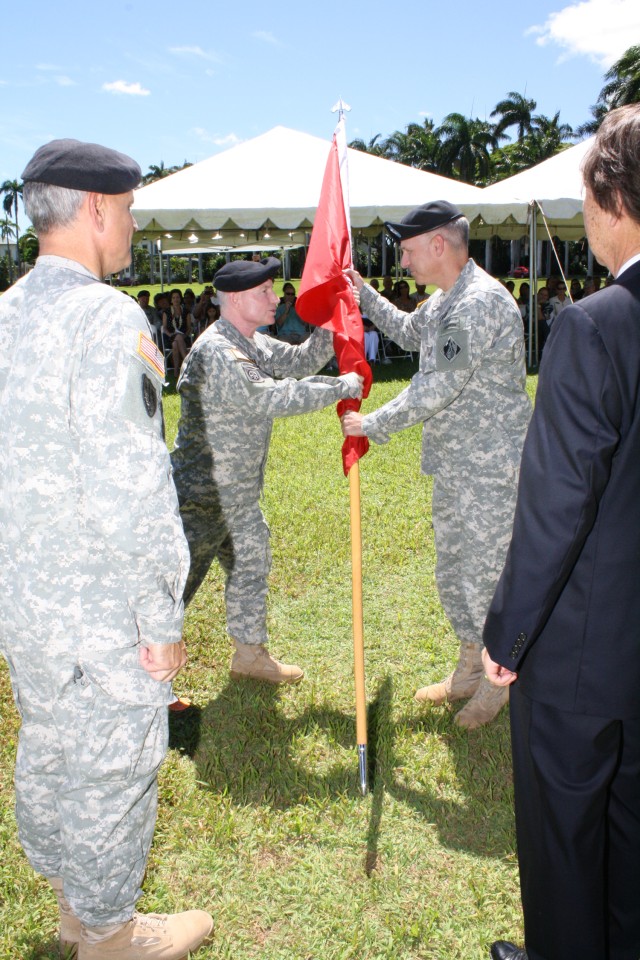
(48, 206)
(457, 233)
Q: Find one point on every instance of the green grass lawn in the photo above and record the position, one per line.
(261, 819)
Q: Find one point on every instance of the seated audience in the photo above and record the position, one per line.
(402, 300)
(559, 301)
(289, 326)
(420, 294)
(176, 330)
(387, 288)
(576, 290)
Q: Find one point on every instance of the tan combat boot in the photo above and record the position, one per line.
(255, 661)
(152, 936)
(484, 705)
(463, 682)
(69, 923)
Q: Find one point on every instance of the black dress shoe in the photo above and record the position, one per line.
(503, 950)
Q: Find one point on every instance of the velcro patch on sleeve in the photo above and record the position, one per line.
(452, 350)
(252, 372)
(150, 354)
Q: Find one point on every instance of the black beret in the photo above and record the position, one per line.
(422, 219)
(245, 274)
(83, 166)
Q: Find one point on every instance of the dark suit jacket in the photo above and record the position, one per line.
(566, 613)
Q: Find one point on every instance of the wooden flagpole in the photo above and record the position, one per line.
(358, 633)
(354, 493)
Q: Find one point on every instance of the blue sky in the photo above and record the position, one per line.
(180, 81)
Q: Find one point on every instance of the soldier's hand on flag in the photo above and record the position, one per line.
(163, 660)
(355, 278)
(352, 424)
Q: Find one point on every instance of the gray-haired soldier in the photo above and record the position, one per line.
(230, 398)
(93, 559)
(470, 393)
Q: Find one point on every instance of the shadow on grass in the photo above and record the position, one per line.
(480, 819)
(40, 949)
(244, 745)
(378, 719)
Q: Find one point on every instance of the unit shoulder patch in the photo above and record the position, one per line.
(452, 350)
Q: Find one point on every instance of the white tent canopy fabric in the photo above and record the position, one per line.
(555, 186)
(272, 184)
(266, 190)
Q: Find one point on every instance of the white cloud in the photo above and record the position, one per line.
(193, 52)
(47, 67)
(266, 37)
(121, 86)
(599, 29)
(425, 113)
(64, 81)
(229, 140)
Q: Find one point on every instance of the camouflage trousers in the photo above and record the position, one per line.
(472, 523)
(86, 785)
(238, 536)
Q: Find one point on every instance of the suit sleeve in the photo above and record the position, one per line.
(568, 451)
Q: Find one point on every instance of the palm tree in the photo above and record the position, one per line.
(372, 147)
(465, 148)
(623, 80)
(546, 138)
(12, 190)
(417, 147)
(29, 246)
(159, 172)
(549, 136)
(621, 88)
(589, 127)
(7, 232)
(514, 111)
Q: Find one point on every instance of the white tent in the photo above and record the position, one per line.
(554, 187)
(271, 184)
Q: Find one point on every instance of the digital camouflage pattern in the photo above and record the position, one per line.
(230, 398)
(93, 563)
(470, 393)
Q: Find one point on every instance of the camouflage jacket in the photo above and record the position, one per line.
(470, 387)
(230, 398)
(93, 559)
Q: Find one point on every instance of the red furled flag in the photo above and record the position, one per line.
(326, 299)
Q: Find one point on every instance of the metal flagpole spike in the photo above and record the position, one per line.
(362, 767)
(340, 107)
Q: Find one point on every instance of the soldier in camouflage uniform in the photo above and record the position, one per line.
(230, 397)
(93, 559)
(470, 393)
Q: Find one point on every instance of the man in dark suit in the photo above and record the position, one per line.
(564, 625)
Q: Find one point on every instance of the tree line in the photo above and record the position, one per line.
(475, 151)
(463, 148)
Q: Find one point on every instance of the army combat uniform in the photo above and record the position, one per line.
(470, 393)
(93, 563)
(230, 398)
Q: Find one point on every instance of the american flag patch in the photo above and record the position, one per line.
(149, 352)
